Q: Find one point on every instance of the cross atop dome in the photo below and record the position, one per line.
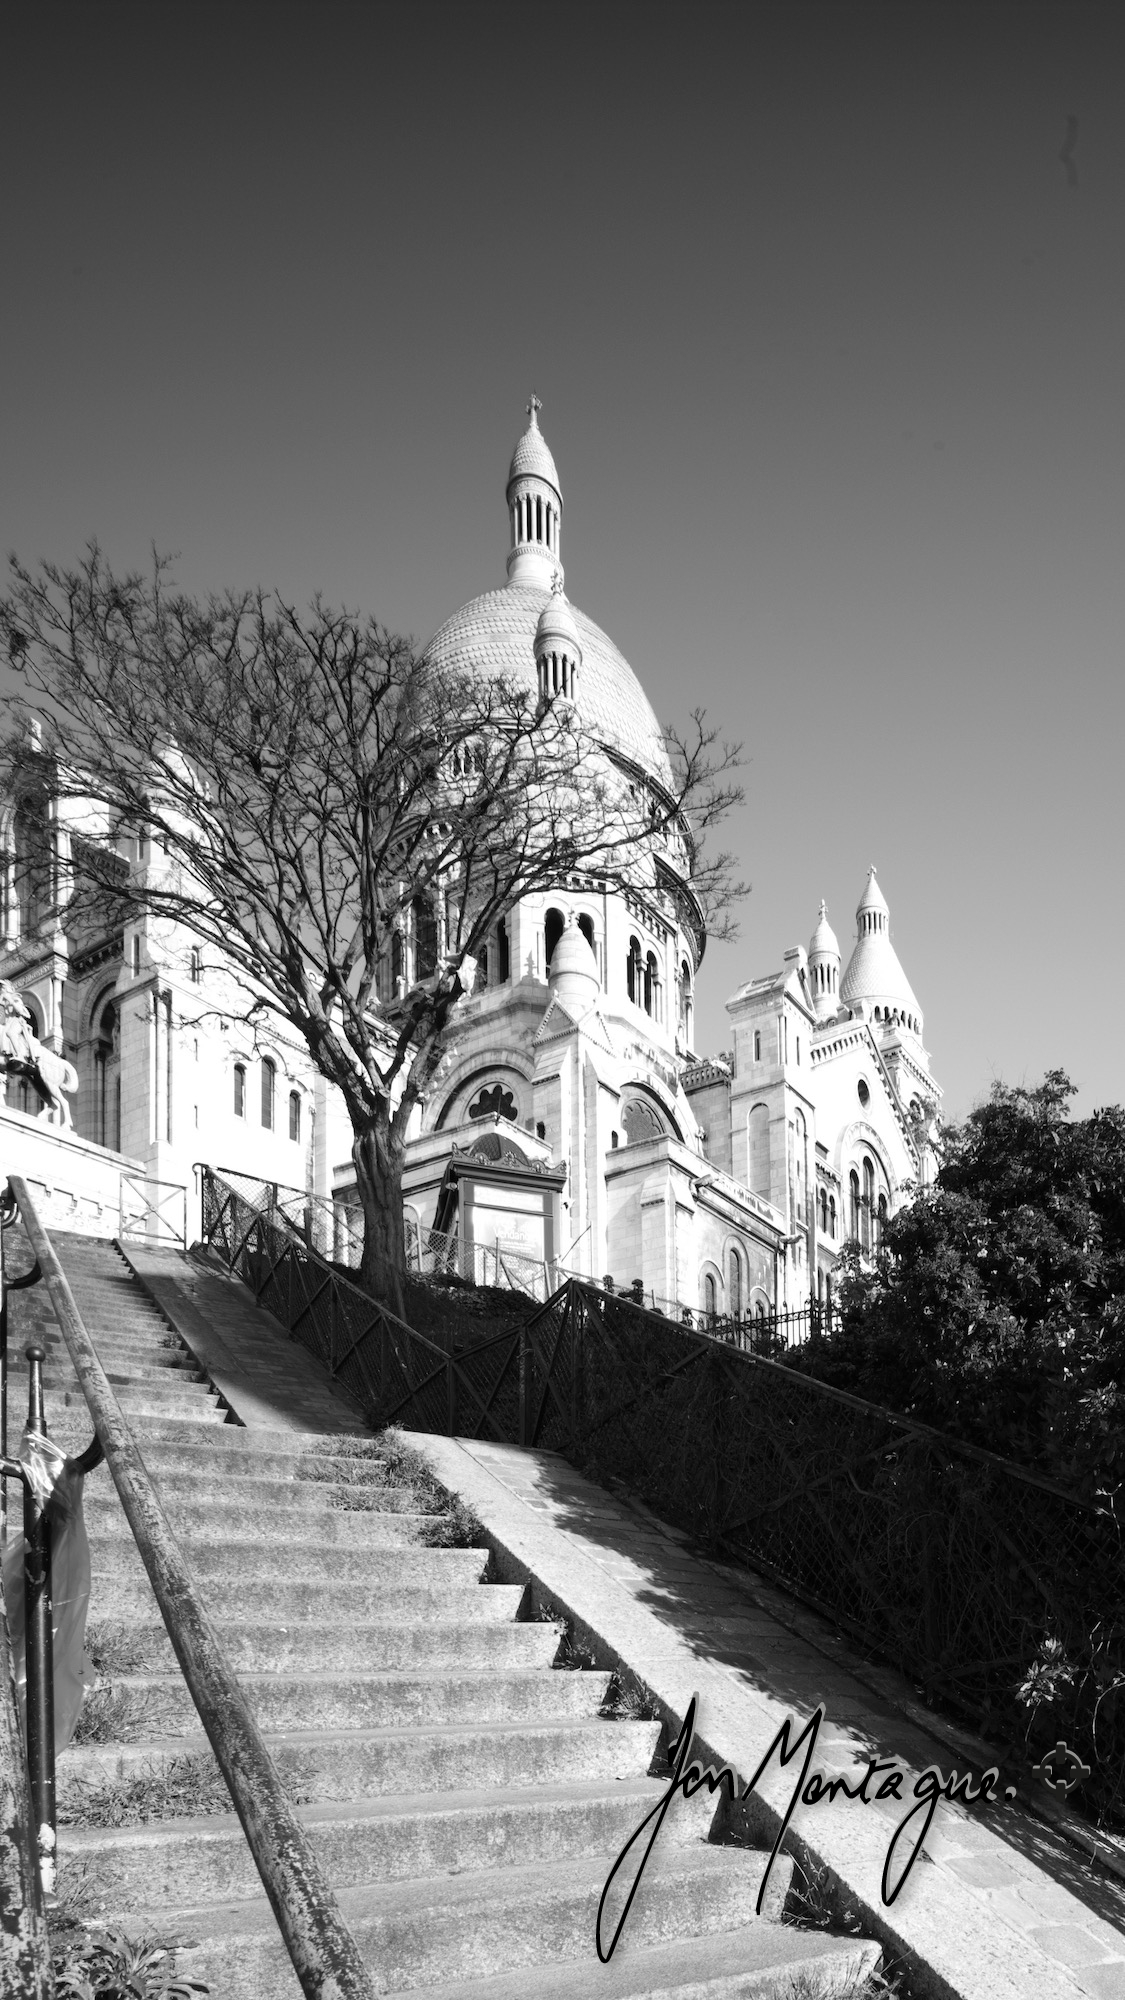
(533, 409)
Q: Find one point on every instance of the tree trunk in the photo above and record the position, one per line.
(378, 1157)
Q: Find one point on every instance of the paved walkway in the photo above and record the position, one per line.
(269, 1380)
(999, 1907)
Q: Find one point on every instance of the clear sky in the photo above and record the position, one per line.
(825, 308)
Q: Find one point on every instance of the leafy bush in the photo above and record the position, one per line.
(107, 1965)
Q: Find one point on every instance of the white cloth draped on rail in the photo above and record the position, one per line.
(57, 1486)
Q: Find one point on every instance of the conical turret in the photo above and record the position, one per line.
(824, 967)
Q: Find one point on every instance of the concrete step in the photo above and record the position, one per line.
(212, 1482)
(404, 1700)
(294, 1467)
(125, 1593)
(479, 1924)
(122, 1353)
(389, 1647)
(252, 1559)
(391, 1839)
(756, 1962)
(161, 1380)
(359, 1763)
(184, 1403)
(330, 1527)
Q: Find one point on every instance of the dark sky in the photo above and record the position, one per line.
(829, 340)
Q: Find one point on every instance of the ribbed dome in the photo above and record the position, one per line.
(874, 975)
(531, 454)
(556, 621)
(495, 634)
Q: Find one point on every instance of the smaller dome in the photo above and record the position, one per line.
(557, 622)
(824, 938)
(531, 455)
(573, 977)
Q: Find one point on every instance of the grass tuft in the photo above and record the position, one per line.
(123, 1714)
(114, 1650)
(384, 1474)
(628, 1700)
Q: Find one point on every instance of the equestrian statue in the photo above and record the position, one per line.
(21, 1054)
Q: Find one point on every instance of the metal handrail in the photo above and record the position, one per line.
(25, 1953)
(324, 1953)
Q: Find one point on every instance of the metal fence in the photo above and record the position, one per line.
(152, 1211)
(1001, 1594)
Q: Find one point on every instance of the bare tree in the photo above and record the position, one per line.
(307, 783)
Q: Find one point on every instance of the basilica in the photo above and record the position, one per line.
(573, 1126)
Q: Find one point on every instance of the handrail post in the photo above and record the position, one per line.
(39, 1642)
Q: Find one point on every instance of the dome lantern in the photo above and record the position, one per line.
(558, 648)
(534, 508)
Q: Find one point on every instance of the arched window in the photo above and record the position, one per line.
(269, 1081)
(735, 1300)
(586, 926)
(758, 1150)
(824, 1211)
(640, 1121)
(107, 1086)
(757, 1045)
(634, 977)
(853, 1190)
(240, 1090)
(553, 928)
(295, 1115)
(425, 938)
(868, 1202)
(493, 1101)
(33, 863)
(881, 1223)
(710, 1297)
(685, 1003)
(503, 952)
(832, 1216)
(196, 964)
(652, 986)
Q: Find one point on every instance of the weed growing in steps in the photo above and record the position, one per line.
(108, 1965)
(810, 1982)
(123, 1714)
(384, 1474)
(187, 1786)
(113, 1649)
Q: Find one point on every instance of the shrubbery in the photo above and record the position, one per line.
(996, 1310)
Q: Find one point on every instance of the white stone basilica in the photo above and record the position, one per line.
(572, 1126)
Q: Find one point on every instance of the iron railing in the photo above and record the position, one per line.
(323, 1951)
(1003, 1595)
(393, 1373)
(153, 1212)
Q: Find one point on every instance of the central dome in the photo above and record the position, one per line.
(495, 634)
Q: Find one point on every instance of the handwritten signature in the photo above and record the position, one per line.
(882, 1779)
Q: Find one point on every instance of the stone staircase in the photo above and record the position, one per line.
(465, 1798)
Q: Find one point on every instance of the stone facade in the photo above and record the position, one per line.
(727, 1184)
